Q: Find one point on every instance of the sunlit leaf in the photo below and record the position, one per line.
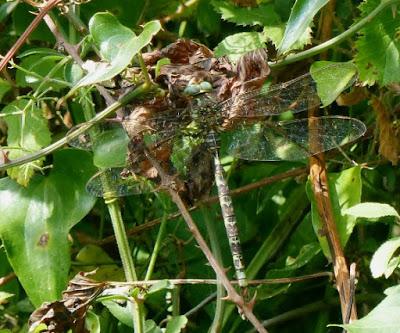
(372, 210)
(383, 262)
(332, 79)
(238, 44)
(27, 133)
(300, 19)
(382, 319)
(117, 44)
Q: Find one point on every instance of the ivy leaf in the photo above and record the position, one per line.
(238, 44)
(344, 191)
(382, 319)
(117, 44)
(300, 19)
(27, 132)
(36, 220)
(378, 46)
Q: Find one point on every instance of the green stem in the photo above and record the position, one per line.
(121, 238)
(80, 130)
(157, 246)
(216, 250)
(336, 40)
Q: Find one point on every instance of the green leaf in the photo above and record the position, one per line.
(117, 44)
(234, 46)
(111, 148)
(151, 327)
(208, 21)
(176, 324)
(371, 210)
(292, 265)
(383, 262)
(384, 318)
(36, 220)
(27, 133)
(300, 19)
(92, 322)
(332, 78)
(5, 87)
(122, 313)
(7, 8)
(97, 259)
(39, 65)
(263, 15)
(378, 46)
(344, 191)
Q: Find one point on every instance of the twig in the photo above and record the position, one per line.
(245, 308)
(215, 281)
(21, 40)
(5, 279)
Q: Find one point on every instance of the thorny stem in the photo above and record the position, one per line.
(336, 40)
(232, 294)
(21, 40)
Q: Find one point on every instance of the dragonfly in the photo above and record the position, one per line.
(254, 136)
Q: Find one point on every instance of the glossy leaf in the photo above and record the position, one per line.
(36, 220)
(117, 44)
(372, 210)
(300, 19)
(344, 191)
(27, 132)
(384, 262)
(333, 79)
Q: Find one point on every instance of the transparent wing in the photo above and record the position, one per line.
(294, 140)
(114, 182)
(296, 95)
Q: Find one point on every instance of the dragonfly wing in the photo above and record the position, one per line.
(114, 182)
(296, 95)
(294, 140)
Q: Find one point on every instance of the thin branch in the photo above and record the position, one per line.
(21, 40)
(5, 279)
(246, 308)
(215, 281)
